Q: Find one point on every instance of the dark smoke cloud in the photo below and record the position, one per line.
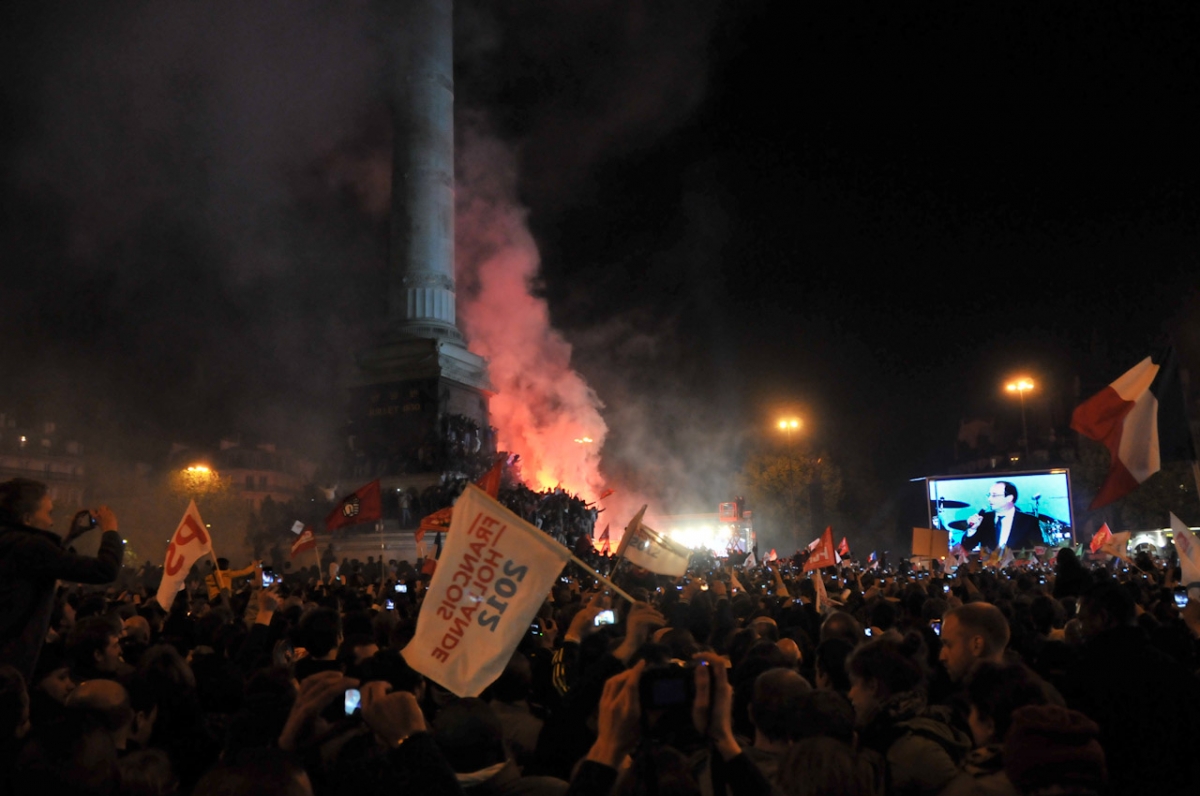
(196, 238)
(578, 83)
(182, 227)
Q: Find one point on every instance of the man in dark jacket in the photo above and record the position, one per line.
(1003, 526)
(33, 559)
(1150, 733)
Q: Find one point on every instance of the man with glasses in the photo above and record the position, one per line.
(1003, 526)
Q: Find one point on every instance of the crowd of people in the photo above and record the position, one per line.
(1068, 678)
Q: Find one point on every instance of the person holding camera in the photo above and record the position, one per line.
(33, 559)
(620, 729)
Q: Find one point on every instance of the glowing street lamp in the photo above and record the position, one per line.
(197, 480)
(789, 426)
(1021, 386)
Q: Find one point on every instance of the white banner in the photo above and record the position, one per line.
(492, 577)
(1188, 548)
(190, 543)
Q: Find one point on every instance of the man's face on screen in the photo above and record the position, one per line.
(998, 500)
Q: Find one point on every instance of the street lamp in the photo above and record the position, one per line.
(1020, 387)
(196, 480)
(789, 426)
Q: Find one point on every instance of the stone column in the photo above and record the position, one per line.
(421, 256)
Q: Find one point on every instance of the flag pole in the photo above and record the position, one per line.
(1196, 475)
(588, 568)
(619, 555)
(1184, 383)
(382, 547)
(317, 557)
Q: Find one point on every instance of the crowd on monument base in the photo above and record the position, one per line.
(728, 679)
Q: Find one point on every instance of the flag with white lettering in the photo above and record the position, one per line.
(189, 544)
(493, 575)
(652, 551)
(822, 551)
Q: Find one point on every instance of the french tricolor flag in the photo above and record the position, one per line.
(1141, 419)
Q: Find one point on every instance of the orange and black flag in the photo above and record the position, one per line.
(439, 521)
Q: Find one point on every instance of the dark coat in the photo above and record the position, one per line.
(1148, 708)
(31, 563)
(1026, 533)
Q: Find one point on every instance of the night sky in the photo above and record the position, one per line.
(867, 215)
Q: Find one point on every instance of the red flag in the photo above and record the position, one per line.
(305, 541)
(843, 548)
(605, 494)
(603, 537)
(429, 566)
(364, 505)
(490, 481)
(1103, 535)
(822, 554)
(1142, 420)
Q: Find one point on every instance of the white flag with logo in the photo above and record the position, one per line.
(297, 527)
(650, 550)
(492, 577)
(1188, 548)
(189, 544)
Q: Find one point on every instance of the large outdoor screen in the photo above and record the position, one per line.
(955, 499)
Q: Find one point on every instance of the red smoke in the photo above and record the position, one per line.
(542, 410)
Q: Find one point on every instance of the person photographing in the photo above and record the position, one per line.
(33, 559)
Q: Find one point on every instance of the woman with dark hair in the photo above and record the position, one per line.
(1070, 578)
(994, 692)
(831, 665)
(887, 687)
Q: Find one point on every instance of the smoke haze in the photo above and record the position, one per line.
(195, 225)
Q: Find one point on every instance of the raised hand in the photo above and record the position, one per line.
(712, 709)
(316, 692)
(642, 620)
(393, 715)
(619, 718)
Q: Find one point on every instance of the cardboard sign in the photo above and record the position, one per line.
(929, 543)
